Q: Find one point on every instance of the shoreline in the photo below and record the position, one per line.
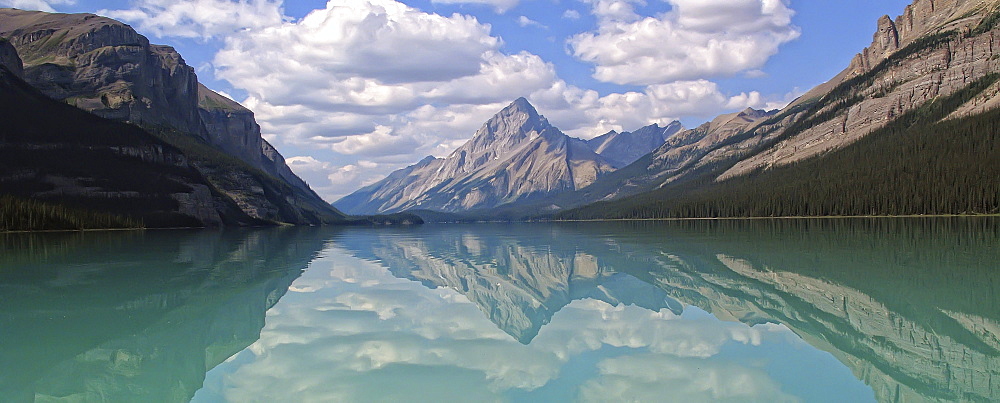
(554, 221)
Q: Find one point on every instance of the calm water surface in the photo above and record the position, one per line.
(776, 310)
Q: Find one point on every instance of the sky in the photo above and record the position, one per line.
(351, 90)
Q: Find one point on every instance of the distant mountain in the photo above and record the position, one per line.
(105, 67)
(517, 156)
(909, 127)
(624, 148)
(661, 166)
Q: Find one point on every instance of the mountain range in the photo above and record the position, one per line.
(104, 129)
(867, 142)
(515, 157)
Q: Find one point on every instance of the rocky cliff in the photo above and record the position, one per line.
(106, 67)
(515, 157)
(10, 60)
(935, 63)
(668, 161)
(934, 49)
(55, 153)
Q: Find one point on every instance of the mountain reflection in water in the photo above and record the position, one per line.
(136, 316)
(768, 310)
(910, 306)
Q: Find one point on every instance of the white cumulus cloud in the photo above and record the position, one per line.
(199, 18)
(40, 5)
(696, 39)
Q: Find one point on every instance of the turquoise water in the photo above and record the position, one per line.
(771, 310)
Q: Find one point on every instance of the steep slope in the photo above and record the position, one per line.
(516, 156)
(52, 152)
(662, 164)
(940, 51)
(625, 148)
(105, 67)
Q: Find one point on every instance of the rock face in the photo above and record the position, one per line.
(667, 162)
(232, 128)
(625, 148)
(106, 67)
(10, 59)
(55, 153)
(516, 156)
(934, 49)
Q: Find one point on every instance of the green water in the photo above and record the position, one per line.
(771, 310)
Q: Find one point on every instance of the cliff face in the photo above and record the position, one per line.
(105, 67)
(10, 59)
(516, 156)
(232, 128)
(934, 49)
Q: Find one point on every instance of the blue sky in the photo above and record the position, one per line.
(360, 88)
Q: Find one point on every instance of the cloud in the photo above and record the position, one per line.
(199, 18)
(381, 141)
(696, 39)
(571, 14)
(525, 22)
(40, 5)
(500, 6)
(585, 114)
(379, 82)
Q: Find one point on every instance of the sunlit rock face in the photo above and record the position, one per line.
(969, 53)
(147, 327)
(517, 156)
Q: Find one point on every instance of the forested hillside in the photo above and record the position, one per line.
(918, 164)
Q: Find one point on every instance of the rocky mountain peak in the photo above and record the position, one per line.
(506, 130)
(922, 17)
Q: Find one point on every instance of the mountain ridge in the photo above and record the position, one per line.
(105, 67)
(517, 155)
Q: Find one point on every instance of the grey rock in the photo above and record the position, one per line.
(622, 149)
(516, 156)
(106, 67)
(10, 59)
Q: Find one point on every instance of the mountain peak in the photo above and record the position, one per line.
(520, 105)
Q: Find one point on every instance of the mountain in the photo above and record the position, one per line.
(516, 156)
(105, 67)
(624, 148)
(51, 152)
(652, 170)
(907, 128)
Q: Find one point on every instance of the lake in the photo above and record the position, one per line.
(747, 310)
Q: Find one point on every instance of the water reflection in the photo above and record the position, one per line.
(910, 306)
(136, 316)
(779, 310)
